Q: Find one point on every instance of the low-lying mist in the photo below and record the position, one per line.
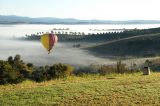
(35, 53)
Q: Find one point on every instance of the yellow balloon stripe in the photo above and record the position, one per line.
(45, 41)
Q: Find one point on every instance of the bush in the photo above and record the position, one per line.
(106, 69)
(24, 69)
(120, 67)
(91, 69)
(154, 64)
(60, 70)
(14, 70)
(52, 72)
(8, 74)
(82, 71)
(40, 74)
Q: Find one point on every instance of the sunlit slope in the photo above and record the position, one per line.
(141, 46)
(111, 90)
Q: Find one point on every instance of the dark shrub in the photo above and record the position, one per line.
(10, 60)
(91, 69)
(17, 58)
(60, 70)
(20, 66)
(82, 71)
(120, 67)
(8, 74)
(30, 65)
(106, 69)
(14, 70)
(40, 74)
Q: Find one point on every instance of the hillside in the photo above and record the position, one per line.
(137, 46)
(112, 90)
(128, 43)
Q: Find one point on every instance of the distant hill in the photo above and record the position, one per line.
(12, 19)
(146, 45)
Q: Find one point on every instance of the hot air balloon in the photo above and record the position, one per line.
(49, 40)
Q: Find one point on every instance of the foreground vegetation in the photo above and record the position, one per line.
(15, 70)
(92, 90)
(26, 85)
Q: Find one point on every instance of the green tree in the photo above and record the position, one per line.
(40, 74)
(17, 58)
(20, 66)
(60, 71)
(8, 74)
(10, 61)
(121, 67)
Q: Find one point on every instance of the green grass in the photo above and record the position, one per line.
(110, 90)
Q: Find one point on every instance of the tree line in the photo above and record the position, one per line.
(67, 37)
(15, 70)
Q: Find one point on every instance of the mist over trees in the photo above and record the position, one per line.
(15, 70)
(99, 37)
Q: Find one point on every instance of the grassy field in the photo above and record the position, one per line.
(90, 90)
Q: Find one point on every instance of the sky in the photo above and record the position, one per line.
(84, 9)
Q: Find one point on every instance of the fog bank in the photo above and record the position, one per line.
(35, 52)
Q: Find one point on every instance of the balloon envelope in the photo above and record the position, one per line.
(48, 41)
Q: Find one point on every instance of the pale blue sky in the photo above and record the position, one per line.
(83, 9)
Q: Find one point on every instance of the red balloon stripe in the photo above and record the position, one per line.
(51, 41)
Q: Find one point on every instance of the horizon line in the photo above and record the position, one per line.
(82, 19)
